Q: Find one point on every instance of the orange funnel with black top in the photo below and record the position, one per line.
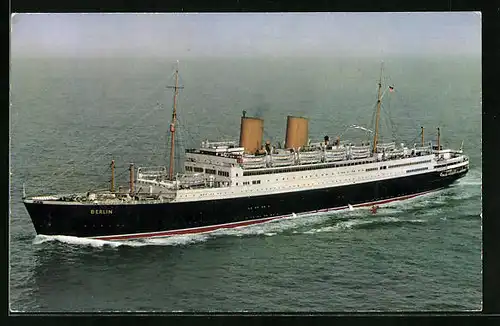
(297, 132)
(251, 132)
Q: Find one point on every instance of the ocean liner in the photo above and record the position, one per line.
(246, 182)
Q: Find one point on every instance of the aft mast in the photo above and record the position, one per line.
(439, 140)
(131, 180)
(422, 135)
(379, 103)
(112, 186)
(174, 120)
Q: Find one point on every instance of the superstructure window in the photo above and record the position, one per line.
(417, 170)
(256, 182)
(447, 164)
(301, 168)
(407, 164)
(189, 168)
(209, 171)
(223, 173)
(306, 167)
(196, 169)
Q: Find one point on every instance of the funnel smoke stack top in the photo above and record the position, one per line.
(251, 132)
(297, 132)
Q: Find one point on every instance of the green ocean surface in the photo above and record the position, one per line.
(70, 117)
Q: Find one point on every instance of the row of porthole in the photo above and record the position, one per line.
(257, 207)
(407, 164)
(417, 170)
(102, 225)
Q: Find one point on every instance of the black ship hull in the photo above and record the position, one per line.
(128, 221)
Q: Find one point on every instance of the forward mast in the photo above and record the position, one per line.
(176, 88)
(379, 103)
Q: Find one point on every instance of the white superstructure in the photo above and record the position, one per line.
(220, 170)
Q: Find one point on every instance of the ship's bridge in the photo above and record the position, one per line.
(216, 160)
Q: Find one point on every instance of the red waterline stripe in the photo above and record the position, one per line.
(395, 199)
(188, 231)
(205, 229)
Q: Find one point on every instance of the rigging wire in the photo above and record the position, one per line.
(91, 155)
(119, 146)
(405, 104)
(390, 125)
(179, 146)
(184, 138)
(98, 186)
(394, 127)
(389, 122)
(156, 146)
(372, 122)
(407, 112)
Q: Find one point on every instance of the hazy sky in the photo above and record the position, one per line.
(250, 34)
